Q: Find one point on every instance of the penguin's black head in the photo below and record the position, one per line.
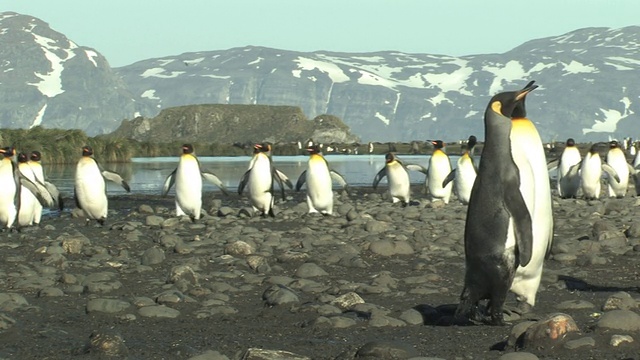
(519, 111)
(389, 157)
(613, 144)
(87, 150)
(471, 142)
(187, 149)
(505, 103)
(315, 149)
(570, 142)
(8, 151)
(264, 147)
(438, 144)
(36, 156)
(22, 157)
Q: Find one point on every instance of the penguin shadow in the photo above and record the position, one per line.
(575, 284)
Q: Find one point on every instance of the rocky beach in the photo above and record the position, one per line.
(374, 281)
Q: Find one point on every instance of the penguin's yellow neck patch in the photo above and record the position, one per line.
(522, 124)
(496, 106)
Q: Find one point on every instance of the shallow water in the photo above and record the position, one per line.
(147, 175)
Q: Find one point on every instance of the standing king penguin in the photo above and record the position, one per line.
(259, 180)
(618, 161)
(188, 180)
(498, 233)
(397, 174)
(35, 163)
(528, 154)
(568, 179)
(439, 169)
(29, 204)
(464, 175)
(90, 189)
(319, 179)
(591, 169)
(13, 181)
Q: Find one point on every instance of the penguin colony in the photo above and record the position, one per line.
(509, 223)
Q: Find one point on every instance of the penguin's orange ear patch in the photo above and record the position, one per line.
(497, 107)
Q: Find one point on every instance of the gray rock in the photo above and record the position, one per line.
(154, 220)
(278, 295)
(12, 301)
(209, 355)
(158, 311)
(107, 343)
(107, 305)
(386, 350)
(263, 354)
(308, 270)
(582, 342)
(152, 256)
(620, 301)
(624, 320)
(520, 355)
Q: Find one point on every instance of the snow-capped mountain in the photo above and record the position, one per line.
(588, 84)
(47, 79)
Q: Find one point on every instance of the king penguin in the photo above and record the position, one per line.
(188, 180)
(529, 156)
(90, 189)
(35, 163)
(10, 194)
(319, 178)
(617, 159)
(29, 205)
(568, 179)
(591, 169)
(439, 168)
(397, 174)
(259, 180)
(13, 181)
(636, 168)
(498, 234)
(464, 175)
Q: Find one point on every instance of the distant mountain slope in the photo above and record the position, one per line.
(588, 88)
(588, 84)
(46, 79)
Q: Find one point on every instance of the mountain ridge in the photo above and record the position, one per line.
(586, 90)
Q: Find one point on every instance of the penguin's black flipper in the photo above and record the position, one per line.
(243, 181)
(116, 178)
(55, 193)
(301, 180)
(212, 178)
(553, 164)
(337, 177)
(379, 176)
(39, 191)
(610, 171)
(168, 182)
(416, 167)
(276, 176)
(449, 178)
(522, 223)
(284, 179)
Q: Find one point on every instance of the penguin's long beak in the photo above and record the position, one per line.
(526, 90)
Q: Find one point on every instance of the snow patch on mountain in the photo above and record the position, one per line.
(332, 70)
(611, 118)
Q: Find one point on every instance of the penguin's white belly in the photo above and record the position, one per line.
(568, 184)
(399, 184)
(91, 190)
(619, 164)
(438, 171)
(189, 188)
(528, 154)
(28, 201)
(590, 175)
(259, 184)
(319, 188)
(8, 209)
(465, 177)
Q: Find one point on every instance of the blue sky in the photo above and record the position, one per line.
(126, 31)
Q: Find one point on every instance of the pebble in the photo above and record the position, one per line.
(625, 320)
(158, 311)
